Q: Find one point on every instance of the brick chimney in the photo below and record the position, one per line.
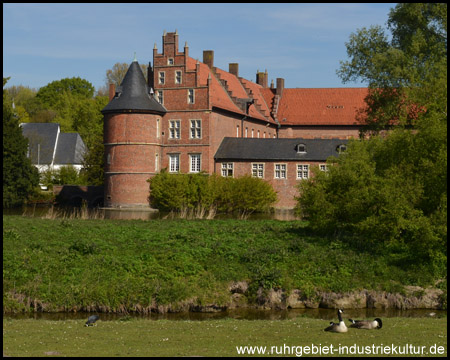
(112, 91)
(262, 78)
(208, 58)
(280, 86)
(233, 68)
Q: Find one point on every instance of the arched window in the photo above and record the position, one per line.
(301, 148)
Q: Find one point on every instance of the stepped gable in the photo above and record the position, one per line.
(133, 95)
(322, 106)
(260, 104)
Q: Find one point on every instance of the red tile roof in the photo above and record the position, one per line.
(328, 106)
(322, 106)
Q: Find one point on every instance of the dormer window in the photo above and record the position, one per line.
(301, 148)
(341, 148)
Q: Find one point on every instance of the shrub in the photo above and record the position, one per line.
(175, 192)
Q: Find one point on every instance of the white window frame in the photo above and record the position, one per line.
(258, 170)
(157, 127)
(174, 129)
(227, 170)
(280, 171)
(323, 167)
(195, 129)
(191, 93)
(237, 130)
(302, 171)
(174, 163)
(156, 162)
(178, 79)
(161, 77)
(160, 96)
(195, 163)
(301, 146)
(170, 61)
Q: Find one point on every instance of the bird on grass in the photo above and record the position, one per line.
(366, 324)
(340, 327)
(91, 320)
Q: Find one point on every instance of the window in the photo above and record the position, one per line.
(258, 134)
(170, 61)
(156, 163)
(323, 167)
(160, 97)
(258, 170)
(174, 162)
(237, 130)
(162, 77)
(196, 129)
(227, 169)
(253, 131)
(190, 96)
(301, 148)
(157, 128)
(341, 148)
(177, 77)
(195, 163)
(302, 171)
(280, 171)
(174, 129)
(246, 132)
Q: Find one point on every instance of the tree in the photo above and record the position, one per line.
(390, 191)
(20, 177)
(407, 75)
(117, 73)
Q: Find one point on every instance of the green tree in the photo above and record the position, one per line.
(20, 177)
(390, 191)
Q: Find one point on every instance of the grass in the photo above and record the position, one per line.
(135, 265)
(139, 337)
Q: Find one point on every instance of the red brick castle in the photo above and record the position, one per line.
(190, 116)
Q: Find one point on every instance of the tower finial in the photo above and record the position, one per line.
(135, 60)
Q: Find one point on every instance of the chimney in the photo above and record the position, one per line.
(280, 86)
(233, 68)
(208, 58)
(261, 78)
(112, 91)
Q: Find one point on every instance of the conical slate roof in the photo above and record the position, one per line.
(133, 95)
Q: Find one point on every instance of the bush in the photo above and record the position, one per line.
(175, 192)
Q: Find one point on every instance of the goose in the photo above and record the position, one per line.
(340, 327)
(91, 320)
(366, 324)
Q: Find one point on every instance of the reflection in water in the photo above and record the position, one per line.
(49, 211)
(243, 314)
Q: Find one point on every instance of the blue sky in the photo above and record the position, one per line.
(302, 43)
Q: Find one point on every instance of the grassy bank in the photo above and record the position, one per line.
(135, 265)
(217, 337)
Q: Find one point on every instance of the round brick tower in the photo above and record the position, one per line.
(131, 145)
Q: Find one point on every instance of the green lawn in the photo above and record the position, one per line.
(139, 337)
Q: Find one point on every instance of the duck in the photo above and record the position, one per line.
(366, 324)
(340, 327)
(91, 320)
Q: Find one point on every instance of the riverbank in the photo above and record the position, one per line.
(199, 265)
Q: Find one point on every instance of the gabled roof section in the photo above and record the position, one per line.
(280, 149)
(327, 106)
(134, 95)
(42, 139)
(70, 149)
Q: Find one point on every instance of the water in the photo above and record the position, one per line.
(243, 314)
(132, 214)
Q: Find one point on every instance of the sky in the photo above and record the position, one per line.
(301, 43)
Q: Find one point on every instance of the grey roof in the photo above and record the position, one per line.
(277, 149)
(70, 149)
(41, 141)
(47, 144)
(133, 95)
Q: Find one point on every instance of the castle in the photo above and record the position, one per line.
(189, 116)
